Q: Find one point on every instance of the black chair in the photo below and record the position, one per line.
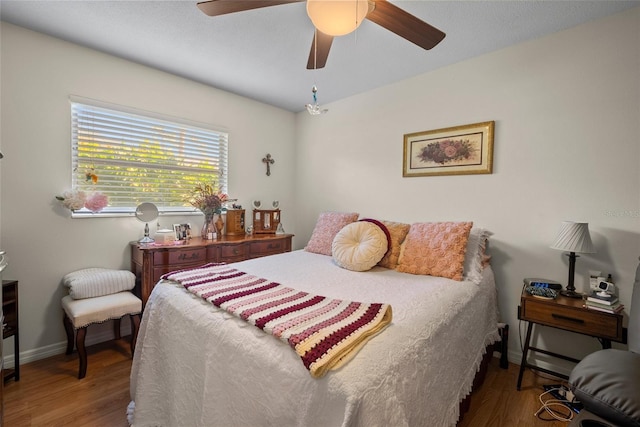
(607, 382)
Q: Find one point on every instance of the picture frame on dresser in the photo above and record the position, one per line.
(182, 231)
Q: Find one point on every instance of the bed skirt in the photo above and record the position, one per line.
(501, 347)
(466, 403)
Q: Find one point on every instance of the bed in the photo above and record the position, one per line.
(197, 365)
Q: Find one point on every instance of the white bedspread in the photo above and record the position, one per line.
(195, 365)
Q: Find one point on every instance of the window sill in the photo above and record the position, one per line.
(83, 214)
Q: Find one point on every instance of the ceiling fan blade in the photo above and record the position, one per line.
(222, 7)
(405, 25)
(319, 50)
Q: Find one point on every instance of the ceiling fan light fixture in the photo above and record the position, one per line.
(337, 17)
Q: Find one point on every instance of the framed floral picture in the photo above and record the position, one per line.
(459, 150)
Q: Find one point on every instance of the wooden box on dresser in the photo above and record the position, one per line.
(150, 261)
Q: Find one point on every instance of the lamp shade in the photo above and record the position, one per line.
(574, 237)
(337, 17)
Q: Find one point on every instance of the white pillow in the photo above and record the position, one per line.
(97, 282)
(474, 258)
(359, 246)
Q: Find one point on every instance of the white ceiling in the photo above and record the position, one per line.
(262, 54)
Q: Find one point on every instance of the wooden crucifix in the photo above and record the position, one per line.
(268, 161)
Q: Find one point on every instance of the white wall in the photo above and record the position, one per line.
(43, 242)
(567, 113)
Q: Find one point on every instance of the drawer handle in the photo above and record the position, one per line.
(183, 257)
(236, 251)
(273, 246)
(570, 319)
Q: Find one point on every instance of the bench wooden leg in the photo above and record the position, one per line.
(82, 352)
(116, 328)
(135, 325)
(68, 327)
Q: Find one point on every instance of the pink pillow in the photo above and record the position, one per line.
(397, 232)
(327, 226)
(435, 249)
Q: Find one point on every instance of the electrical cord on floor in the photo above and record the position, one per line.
(556, 409)
(552, 407)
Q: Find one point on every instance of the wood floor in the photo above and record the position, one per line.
(497, 403)
(49, 393)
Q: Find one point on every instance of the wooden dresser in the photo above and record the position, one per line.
(150, 261)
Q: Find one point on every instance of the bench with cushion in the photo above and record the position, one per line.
(98, 295)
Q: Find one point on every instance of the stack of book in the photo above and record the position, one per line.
(608, 303)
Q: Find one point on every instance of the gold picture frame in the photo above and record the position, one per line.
(458, 150)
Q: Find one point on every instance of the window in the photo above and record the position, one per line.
(140, 157)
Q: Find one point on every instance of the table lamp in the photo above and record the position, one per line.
(573, 237)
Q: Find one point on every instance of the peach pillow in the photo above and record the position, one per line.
(397, 231)
(435, 249)
(327, 226)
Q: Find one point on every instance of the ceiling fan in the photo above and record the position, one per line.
(381, 12)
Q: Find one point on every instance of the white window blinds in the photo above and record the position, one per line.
(139, 158)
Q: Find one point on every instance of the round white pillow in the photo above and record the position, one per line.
(359, 246)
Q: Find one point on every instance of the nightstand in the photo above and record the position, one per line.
(568, 314)
(11, 327)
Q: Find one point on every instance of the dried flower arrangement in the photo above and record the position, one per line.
(205, 198)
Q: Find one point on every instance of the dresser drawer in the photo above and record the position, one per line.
(177, 257)
(232, 252)
(592, 323)
(268, 247)
(159, 271)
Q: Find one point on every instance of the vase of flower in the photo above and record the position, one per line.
(208, 228)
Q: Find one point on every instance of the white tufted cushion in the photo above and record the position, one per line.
(83, 312)
(359, 246)
(96, 282)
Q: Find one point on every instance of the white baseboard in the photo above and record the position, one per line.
(61, 347)
(558, 365)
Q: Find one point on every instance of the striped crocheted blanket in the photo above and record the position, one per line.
(324, 332)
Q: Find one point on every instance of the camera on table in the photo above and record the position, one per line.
(607, 287)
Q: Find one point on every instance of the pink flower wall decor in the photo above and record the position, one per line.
(96, 202)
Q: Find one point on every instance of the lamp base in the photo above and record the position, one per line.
(570, 293)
